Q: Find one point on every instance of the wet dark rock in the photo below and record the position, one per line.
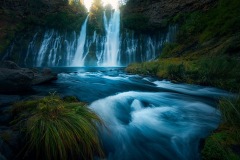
(2, 157)
(9, 65)
(14, 79)
(9, 143)
(5, 149)
(45, 77)
(8, 99)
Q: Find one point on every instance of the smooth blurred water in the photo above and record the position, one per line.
(145, 118)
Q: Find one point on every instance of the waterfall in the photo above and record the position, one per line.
(49, 47)
(79, 55)
(30, 47)
(44, 47)
(112, 46)
(70, 48)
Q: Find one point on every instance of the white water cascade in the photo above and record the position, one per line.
(112, 44)
(44, 48)
(79, 55)
(52, 48)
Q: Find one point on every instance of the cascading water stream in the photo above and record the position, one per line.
(112, 46)
(44, 47)
(79, 55)
(144, 118)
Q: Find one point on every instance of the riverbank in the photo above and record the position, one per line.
(134, 108)
(206, 52)
(221, 72)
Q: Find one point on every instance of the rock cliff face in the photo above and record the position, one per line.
(158, 10)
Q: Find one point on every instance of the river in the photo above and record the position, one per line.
(146, 118)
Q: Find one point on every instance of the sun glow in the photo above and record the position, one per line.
(114, 3)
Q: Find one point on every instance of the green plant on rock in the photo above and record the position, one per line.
(59, 130)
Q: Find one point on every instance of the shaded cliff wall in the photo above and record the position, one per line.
(155, 13)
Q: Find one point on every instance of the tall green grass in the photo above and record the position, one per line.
(218, 71)
(55, 129)
(231, 111)
(220, 145)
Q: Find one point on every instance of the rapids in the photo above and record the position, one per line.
(145, 118)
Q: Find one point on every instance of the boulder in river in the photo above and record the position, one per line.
(16, 79)
(44, 77)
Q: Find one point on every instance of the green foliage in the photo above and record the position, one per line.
(192, 25)
(70, 99)
(33, 6)
(96, 14)
(64, 20)
(176, 72)
(10, 25)
(149, 68)
(56, 129)
(220, 71)
(169, 50)
(222, 20)
(231, 112)
(219, 146)
(137, 22)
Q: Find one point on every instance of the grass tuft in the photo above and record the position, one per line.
(58, 130)
(224, 143)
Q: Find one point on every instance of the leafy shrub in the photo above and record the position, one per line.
(58, 130)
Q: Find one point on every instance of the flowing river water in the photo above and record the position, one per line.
(145, 118)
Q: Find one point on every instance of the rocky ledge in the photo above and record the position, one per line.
(16, 79)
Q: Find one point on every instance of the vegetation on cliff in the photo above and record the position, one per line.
(56, 128)
(17, 15)
(206, 50)
(96, 14)
(149, 16)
